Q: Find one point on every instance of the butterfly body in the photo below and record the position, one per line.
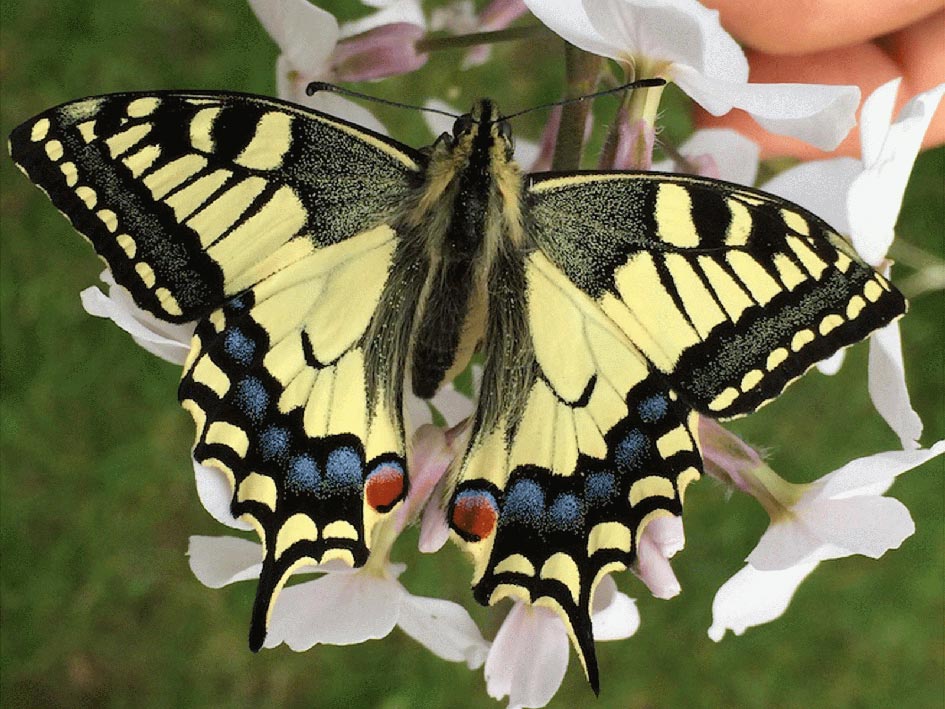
(328, 267)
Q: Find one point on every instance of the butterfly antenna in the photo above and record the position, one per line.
(639, 84)
(316, 86)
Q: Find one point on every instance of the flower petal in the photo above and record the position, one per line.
(166, 340)
(219, 561)
(869, 525)
(654, 568)
(820, 186)
(569, 20)
(873, 474)
(818, 114)
(785, 543)
(306, 34)
(876, 118)
(887, 385)
(528, 658)
(216, 494)
(614, 615)
(875, 197)
(832, 364)
(735, 156)
(336, 609)
(429, 457)
(443, 627)
(399, 11)
(677, 31)
(434, 529)
(752, 597)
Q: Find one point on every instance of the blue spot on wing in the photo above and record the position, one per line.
(239, 347)
(303, 474)
(600, 488)
(632, 451)
(525, 502)
(653, 408)
(565, 513)
(343, 467)
(252, 397)
(274, 442)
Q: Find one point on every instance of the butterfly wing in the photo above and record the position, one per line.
(730, 292)
(275, 226)
(185, 195)
(576, 446)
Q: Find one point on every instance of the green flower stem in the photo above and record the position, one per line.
(582, 72)
(773, 492)
(510, 34)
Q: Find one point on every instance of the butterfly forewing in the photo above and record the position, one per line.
(185, 195)
(730, 292)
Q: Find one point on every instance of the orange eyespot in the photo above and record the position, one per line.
(385, 486)
(474, 514)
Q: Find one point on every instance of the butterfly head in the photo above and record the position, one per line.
(483, 131)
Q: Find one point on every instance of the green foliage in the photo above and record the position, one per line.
(98, 604)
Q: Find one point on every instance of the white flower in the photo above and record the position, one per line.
(862, 198)
(660, 541)
(315, 48)
(683, 42)
(344, 605)
(529, 655)
(168, 341)
(843, 513)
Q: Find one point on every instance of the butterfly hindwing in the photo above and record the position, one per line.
(285, 402)
(554, 493)
(730, 292)
(185, 194)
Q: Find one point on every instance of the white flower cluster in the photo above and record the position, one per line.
(843, 513)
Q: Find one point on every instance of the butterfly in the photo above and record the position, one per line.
(331, 269)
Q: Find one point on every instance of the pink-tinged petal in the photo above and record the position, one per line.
(887, 385)
(735, 156)
(676, 31)
(568, 19)
(873, 474)
(654, 569)
(727, 457)
(633, 147)
(429, 457)
(453, 405)
(384, 51)
(399, 11)
(499, 14)
(668, 534)
(443, 627)
(528, 657)
(434, 529)
(876, 118)
(216, 494)
(306, 34)
(832, 364)
(820, 186)
(336, 609)
(875, 197)
(614, 615)
(220, 561)
(752, 597)
(166, 340)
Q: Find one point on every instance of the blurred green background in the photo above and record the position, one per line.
(99, 607)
